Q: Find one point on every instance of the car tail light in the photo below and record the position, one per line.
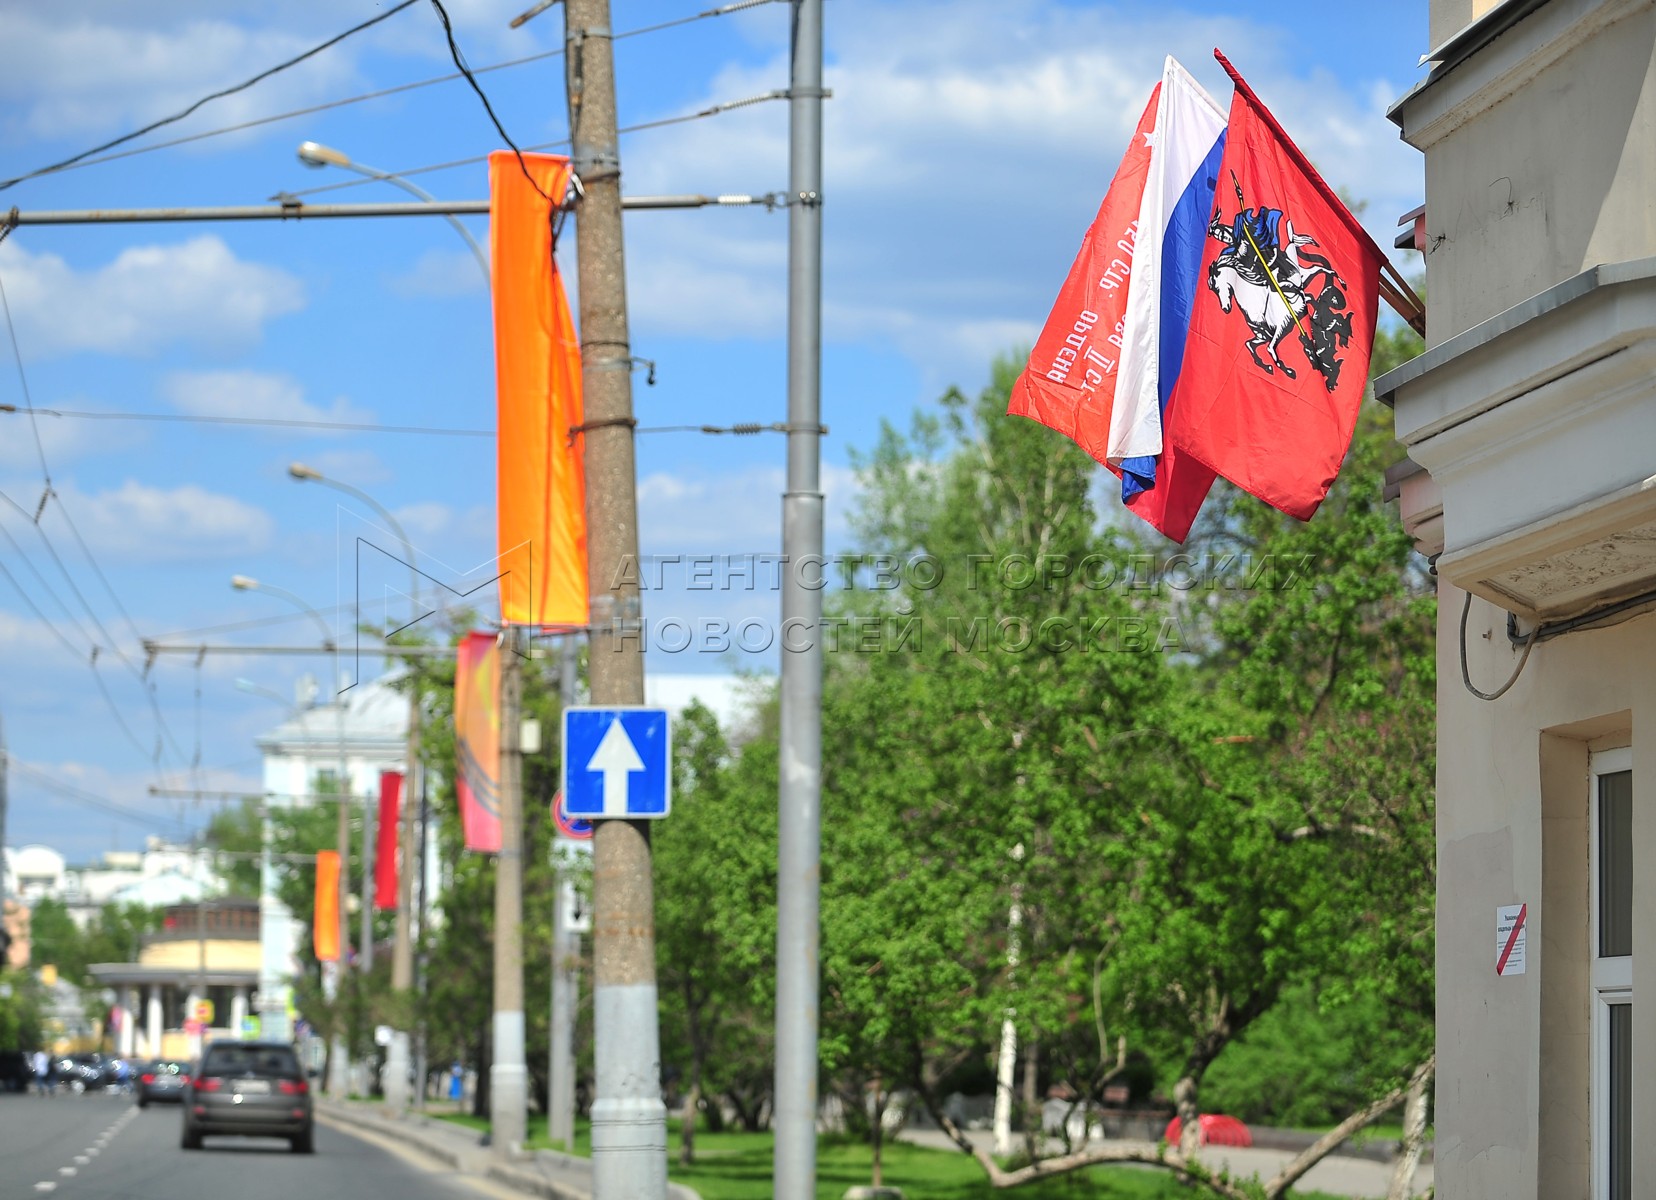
(210, 1084)
(292, 1087)
(147, 1078)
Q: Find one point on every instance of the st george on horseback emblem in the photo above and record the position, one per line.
(1269, 272)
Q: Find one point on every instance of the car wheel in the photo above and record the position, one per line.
(191, 1139)
(143, 1101)
(305, 1143)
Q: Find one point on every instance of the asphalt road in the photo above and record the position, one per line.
(103, 1147)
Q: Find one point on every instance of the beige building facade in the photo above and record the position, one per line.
(209, 951)
(1532, 420)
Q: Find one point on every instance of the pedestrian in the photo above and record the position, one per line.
(38, 1065)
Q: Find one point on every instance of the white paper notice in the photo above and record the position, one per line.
(1511, 932)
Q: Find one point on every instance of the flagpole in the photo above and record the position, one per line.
(1395, 290)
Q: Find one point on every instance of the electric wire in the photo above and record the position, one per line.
(280, 422)
(313, 109)
(700, 114)
(40, 578)
(1466, 673)
(163, 731)
(230, 91)
(398, 89)
(23, 381)
(73, 649)
(80, 796)
(460, 62)
(288, 618)
(352, 426)
(109, 638)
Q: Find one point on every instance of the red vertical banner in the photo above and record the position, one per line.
(542, 482)
(385, 845)
(477, 739)
(325, 927)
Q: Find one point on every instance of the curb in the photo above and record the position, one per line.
(466, 1153)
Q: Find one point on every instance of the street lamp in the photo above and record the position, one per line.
(314, 154)
(275, 942)
(338, 1083)
(402, 952)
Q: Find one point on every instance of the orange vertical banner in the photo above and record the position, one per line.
(325, 927)
(477, 739)
(541, 477)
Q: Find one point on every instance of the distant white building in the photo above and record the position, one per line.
(355, 735)
(33, 873)
(163, 872)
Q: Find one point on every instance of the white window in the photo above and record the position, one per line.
(1611, 804)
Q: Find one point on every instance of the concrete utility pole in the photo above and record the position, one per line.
(508, 1072)
(629, 1121)
(799, 815)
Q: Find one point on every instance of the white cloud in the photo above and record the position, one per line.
(733, 511)
(439, 275)
(74, 74)
(962, 167)
(195, 292)
(139, 523)
(247, 393)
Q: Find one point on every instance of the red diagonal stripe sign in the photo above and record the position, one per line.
(1512, 940)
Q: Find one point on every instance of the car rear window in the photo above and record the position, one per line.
(260, 1060)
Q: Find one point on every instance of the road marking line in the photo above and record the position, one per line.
(82, 1159)
(66, 1170)
(44, 1186)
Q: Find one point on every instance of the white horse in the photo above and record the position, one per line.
(1271, 312)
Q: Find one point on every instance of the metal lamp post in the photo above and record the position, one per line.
(398, 1058)
(314, 154)
(273, 933)
(338, 1081)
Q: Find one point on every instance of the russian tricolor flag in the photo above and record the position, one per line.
(1218, 251)
(1105, 365)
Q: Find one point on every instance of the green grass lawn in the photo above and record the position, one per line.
(737, 1166)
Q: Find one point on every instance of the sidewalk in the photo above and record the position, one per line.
(1338, 1174)
(542, 1173)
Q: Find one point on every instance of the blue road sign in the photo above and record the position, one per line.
(617, 762)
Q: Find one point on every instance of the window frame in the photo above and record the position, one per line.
(1611, 981)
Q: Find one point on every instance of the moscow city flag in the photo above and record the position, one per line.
(1276, 358)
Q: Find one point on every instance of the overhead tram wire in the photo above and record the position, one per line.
(50, 493)
(700, 114)
(280, 422)
(103, 804)
(218, 95)
(354, 427)
(346, 101)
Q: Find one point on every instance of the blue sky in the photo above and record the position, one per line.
(967, 146)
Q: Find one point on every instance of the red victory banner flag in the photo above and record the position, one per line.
(1278, 352)
(385, 842)
(325, 925)
(542, 480)
(477, 740)
(1070, 381)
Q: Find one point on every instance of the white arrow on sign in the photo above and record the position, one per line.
(616, 758)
